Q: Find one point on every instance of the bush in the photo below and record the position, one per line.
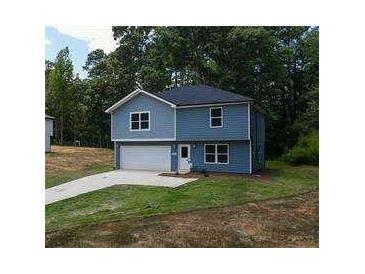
(306, 151)
(205, 172)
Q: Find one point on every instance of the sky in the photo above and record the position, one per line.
(80, 40)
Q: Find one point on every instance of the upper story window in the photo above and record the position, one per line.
(216, 117)
(140, 121)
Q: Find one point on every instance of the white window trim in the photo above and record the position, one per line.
(210, 117)
(140, 129)
(131, 95)
(216, 154)
(179, 146)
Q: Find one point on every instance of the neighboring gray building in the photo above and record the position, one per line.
(49, 132)
(192, 127)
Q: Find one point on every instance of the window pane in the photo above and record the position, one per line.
(144, 116)
(216, 122)
(210, 158)
(215, 112)
(135, 117)
(135, 125)
(222, 149)
(210, 149)
(144, 125)
(222, 158)
(184, 152)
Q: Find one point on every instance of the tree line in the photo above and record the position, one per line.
(277, 66)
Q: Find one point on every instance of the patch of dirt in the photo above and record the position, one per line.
(262, 174)
(66, 158)
(286, 222)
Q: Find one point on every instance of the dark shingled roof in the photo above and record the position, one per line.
(200, 94)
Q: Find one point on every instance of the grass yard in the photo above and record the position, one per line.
(67, 163)
(286, 222)
(130, 215)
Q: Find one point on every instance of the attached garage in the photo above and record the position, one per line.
(146, 157)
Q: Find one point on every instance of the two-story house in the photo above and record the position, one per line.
(191, 127)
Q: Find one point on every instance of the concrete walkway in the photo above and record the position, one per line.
(107, 179)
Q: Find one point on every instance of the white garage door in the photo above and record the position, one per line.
(146, 157)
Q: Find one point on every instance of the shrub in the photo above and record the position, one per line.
(205, 172)
(306, 151)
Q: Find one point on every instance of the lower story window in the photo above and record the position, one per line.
(210, 154)
(216, 154)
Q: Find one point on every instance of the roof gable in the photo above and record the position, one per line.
(191, 95)
(132, 95)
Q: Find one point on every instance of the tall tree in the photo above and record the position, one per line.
(60, 92)
(274, 65)
(277, 66)
(106, 84)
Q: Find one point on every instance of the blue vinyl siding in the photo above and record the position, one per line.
(174, 160)
(162, 119)
(258, 140)
(261, 139)
(193, 124)
(116, 155)
(193, 127)
(239, 160)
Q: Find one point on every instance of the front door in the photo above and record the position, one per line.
(184, 158)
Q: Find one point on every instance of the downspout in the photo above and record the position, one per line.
(249, 134)
(114, 143)
(115, 155)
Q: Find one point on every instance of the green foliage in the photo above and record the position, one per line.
(306, 151)
(60, 94)
(277, 66)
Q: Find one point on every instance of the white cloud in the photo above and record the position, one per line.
(96, 37)
(48, 42)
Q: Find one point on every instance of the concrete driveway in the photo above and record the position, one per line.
(107, 179)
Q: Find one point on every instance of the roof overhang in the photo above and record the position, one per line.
(214, 104)
(259, 108)
(132, 95)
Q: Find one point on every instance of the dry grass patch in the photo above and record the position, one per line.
(66, 163)
(262, 175)
(65, 158)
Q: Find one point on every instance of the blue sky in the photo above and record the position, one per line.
(80, 40)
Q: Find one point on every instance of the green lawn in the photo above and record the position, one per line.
(66, 176)
(133, 202)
